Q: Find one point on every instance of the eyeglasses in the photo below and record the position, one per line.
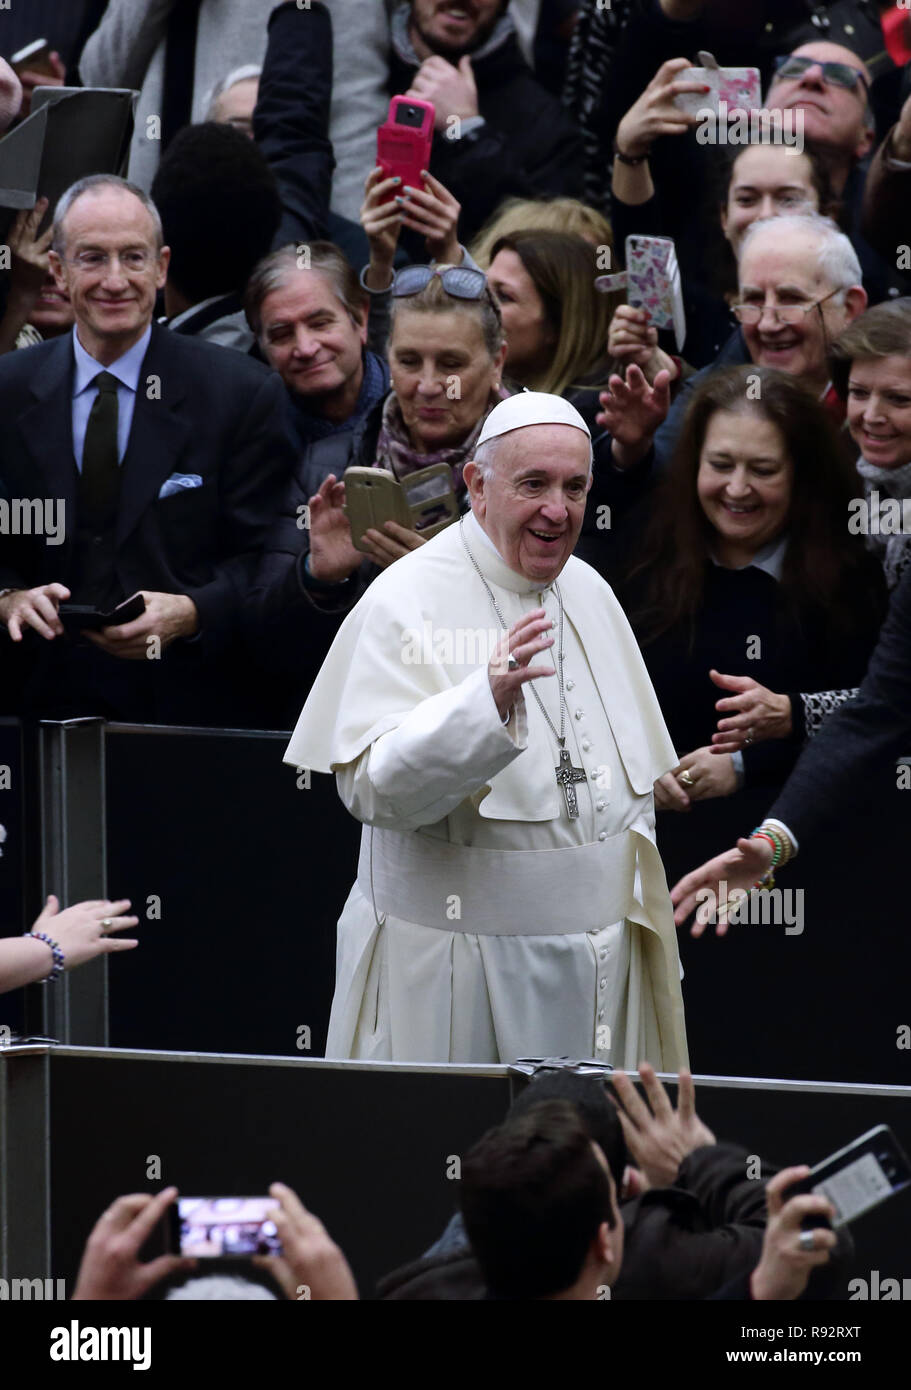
(781, 313)
(834, 74)
(460, 281)
(95, 262)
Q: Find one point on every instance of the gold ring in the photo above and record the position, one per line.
(107, 923)
(687, 778)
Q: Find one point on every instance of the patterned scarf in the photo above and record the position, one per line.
(395, 451)
(893, 551)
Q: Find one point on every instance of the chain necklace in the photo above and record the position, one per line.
(566, 773)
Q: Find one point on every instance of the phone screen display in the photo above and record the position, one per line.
(855, 1188)
(222, 1227)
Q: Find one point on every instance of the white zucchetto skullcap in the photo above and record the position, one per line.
(530, 408)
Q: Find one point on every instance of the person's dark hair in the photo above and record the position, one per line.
(883, 331)
(596, 1110)
(220, 209)
(822, 562)
(533, 1196)
(563, 267)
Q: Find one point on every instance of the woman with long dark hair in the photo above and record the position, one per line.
(749, 562)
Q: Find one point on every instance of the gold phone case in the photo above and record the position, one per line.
(373, 496)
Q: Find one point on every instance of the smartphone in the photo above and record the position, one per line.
(653, 282)
(730, 89)
(404, 140)
(223, 1228)
(76, 617)
(424, 501)
(858, 1177)
(34, 57)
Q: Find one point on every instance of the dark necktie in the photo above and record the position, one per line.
(100, 481)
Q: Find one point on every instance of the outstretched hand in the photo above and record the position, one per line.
(719, 885)
(657, 1136)
(633, 410)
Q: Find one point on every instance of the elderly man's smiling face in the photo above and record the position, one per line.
(533, 504)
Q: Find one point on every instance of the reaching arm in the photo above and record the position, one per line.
(291, 120)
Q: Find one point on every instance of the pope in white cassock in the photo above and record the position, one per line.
(510, 900)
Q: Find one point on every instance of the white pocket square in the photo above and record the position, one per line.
(179, 482)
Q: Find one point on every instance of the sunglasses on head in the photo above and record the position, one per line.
(461, 281)
(835, 74)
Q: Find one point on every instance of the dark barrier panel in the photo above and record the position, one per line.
(15, 861)
(238, 870)
(239, 876)
(368, 1147)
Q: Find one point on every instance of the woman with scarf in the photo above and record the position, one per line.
(446, 353)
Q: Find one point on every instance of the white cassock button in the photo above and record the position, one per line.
(586, 744)
(603, 953)
(602, 984)
(602, 835)
(599, 805)
(579, 713)
(600, 1015)
(570, 685)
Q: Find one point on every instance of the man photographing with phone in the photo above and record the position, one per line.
(498, 132)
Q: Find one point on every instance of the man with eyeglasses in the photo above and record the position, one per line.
(800, 286)
(166, 458)
(829, 85)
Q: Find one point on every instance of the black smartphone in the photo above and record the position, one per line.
(223, 1228)
(76, 617)
(858, 1177)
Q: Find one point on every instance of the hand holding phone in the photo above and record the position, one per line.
(81, 617)
(36, 57)
(224, 1228)
(729, 89)
(857, 1177)
(404, 141)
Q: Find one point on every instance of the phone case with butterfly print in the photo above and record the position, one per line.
(653, 282)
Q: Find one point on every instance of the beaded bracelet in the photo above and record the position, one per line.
(56, 952)
(781, 844)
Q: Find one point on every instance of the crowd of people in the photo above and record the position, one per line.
(196, 349)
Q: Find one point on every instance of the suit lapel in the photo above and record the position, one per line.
(158, 434)
(47, 430)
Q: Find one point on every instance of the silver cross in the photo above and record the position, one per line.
(566, 775)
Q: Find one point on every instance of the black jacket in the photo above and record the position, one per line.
(199, 409)
(291, 120)
(289, 622)
(526, 148)
(680, 1242)
(853, 757)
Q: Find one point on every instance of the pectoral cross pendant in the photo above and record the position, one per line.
(566, 776)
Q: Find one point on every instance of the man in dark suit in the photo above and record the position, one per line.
(166, 459)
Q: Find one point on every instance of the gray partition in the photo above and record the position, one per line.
(367, 1146)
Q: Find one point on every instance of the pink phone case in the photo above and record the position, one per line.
(731, 89)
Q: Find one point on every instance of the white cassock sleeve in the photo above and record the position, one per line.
(445, 750)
